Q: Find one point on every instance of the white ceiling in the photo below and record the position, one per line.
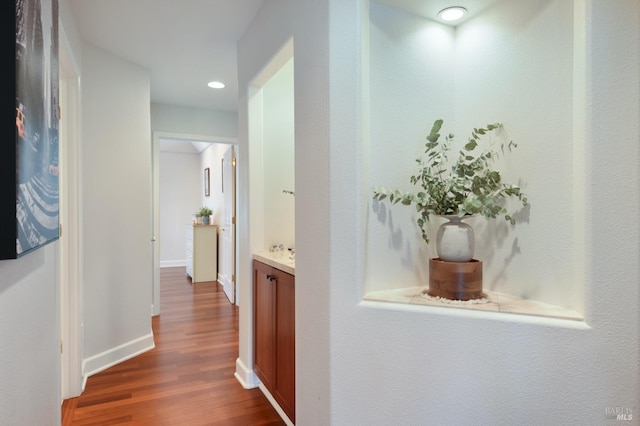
(184, 43)
(187, 43)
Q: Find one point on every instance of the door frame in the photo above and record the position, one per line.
(70, 268)
(155, 207)
(231, 224)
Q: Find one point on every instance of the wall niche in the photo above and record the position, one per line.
(512, 63)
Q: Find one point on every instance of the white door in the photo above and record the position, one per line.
(228, 228)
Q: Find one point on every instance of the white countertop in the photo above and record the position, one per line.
(277, 260)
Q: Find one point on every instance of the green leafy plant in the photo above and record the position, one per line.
(205, 211)
(470, 186)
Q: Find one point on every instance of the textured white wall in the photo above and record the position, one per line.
(278, 158)
(180, 197)
(515, 65)
(412, 67)
(117, 207)
(379, 364)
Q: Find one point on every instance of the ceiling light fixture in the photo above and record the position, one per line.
(216, 85)
(452, 13)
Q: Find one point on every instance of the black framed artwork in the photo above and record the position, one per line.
(29, 100)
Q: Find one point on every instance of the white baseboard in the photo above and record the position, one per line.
(275, 405)
(245, 375)
(172, 263)
(111, 357)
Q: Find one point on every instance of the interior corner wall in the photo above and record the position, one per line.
(116, 203)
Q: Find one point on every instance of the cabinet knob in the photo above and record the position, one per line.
(271, 277)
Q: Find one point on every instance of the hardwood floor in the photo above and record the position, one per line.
(187, 379)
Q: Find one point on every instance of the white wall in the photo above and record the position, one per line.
(412, 64)
(211, 157)
(116, 209)
(278, 153)
(194, 121)
(380, 364)
(180, 197)
(515, 65)
(30, 336)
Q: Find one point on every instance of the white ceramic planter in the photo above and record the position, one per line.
(455, 240)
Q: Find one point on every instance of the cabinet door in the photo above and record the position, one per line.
(285, 390)
(264, 325)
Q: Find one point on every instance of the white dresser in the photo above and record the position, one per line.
(202, 254)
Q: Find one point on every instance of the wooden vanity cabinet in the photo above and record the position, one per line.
(274, 333)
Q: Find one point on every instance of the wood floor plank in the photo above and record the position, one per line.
(187, 379)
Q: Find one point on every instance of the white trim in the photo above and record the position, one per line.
(71, 258)
(113, 356)
(155, 225)
(223, 280)
(245, 375)
(275, 405)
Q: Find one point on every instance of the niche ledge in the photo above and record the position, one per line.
(498, 302)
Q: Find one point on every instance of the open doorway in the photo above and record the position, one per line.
(179, 192)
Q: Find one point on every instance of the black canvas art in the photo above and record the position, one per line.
(32, 218)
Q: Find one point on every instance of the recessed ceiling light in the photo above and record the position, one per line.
(216, 85)
(452, 13)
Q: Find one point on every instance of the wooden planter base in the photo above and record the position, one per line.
(455, 280)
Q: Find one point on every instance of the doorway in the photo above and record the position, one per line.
(168, 245)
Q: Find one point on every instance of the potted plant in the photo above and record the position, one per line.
(205, 213)
(469, 186)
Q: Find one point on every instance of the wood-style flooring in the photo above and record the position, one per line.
(187, 379)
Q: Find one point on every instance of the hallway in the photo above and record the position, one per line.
(187, 379)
